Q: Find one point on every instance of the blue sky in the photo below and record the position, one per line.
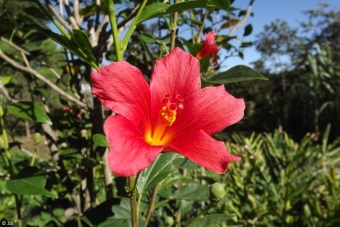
(266, 11)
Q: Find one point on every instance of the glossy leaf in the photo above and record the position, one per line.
(99, 140)
(193, 191)
(30, 111)
(159, 170)
(236, 74)
(29, 181)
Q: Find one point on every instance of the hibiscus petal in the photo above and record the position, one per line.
(210, 109)
(209, 46)
(128, 152)
(176, 74)
(122, 88)
(202, 149)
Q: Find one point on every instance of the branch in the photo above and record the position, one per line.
(59, 17)
(244, 19)
(151, 205)
(201, 27)
(76, 11)
(69, 13)
(4, 91)
(173, 30)
(15, 46)
(43, 79)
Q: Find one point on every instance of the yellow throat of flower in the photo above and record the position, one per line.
(158, 136)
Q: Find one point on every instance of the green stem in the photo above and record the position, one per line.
(18, 206)
(55, 22)
(113, 22)
(132, 26)
(133, 204)
(173, 30)
(33, 156)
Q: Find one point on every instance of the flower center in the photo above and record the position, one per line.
(167, 116)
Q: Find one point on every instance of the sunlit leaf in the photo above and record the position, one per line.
(236, 74)
(5, 80)
(30, 111)
(152, 10)
(99, 140)
(159, 170)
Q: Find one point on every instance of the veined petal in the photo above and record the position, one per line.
(210, 109)
(176, 74)
(122, 88)
(202, 149)
(128, 152)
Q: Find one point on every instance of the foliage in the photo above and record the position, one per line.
(53, 167)
(282, 182)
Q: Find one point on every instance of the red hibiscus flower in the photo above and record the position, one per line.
(209, 46)
(171, 114)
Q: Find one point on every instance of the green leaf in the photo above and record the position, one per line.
(248, 30)
(147, 38)
(246, 44)
(30, 111)
(5, 80)
(161, 9)
(159, 170)
(78, 44)
(192, 191)
(99, 140)
(221, 4)
(29, 181)
(212, 220)
(152, 10)
(236, 74)
(121, 212)
(179, 7)
(204, 64)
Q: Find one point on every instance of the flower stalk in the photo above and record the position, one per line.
(133, 203)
